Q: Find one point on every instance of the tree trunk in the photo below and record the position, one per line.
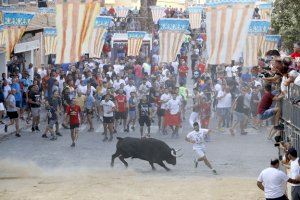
(146, 15)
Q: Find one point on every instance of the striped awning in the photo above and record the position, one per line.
(227, 28)
(135, 40)
(157, 13)
(270, 43)
(122, 11)
(50, 40)
(74, 20)
(195, 16)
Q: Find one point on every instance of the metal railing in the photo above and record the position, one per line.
(291, 117)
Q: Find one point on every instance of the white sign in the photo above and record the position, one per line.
(27, 46)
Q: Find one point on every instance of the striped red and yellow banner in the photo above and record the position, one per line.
(227, 29)
(171, 36)
(15, 24)
(2, 38)
(135, 41)
(13, 35)
(97, 45)
(50, 41)
(270, 43)
(195, 16)
(74, 20)
(157, 13)
(98, 36)
(252, 50)
(255, 40)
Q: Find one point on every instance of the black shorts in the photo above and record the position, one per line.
(73, 126)
(13, 115)
(279, 198)
(89, 111)
(108, 120)
(121, 115)
(160, 112)
(144, 120)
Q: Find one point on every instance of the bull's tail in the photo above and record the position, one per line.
(119, 138)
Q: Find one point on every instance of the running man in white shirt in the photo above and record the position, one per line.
(197, 138)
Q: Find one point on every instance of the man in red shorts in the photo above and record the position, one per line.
(74, 112)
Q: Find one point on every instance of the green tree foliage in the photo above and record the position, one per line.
(286, 21)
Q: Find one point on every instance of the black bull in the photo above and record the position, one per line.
(149, 149)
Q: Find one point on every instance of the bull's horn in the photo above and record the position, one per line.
(173, 154)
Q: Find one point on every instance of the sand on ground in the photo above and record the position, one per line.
(27, 181)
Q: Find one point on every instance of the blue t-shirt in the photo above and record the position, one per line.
(89, 102)
(17, 87)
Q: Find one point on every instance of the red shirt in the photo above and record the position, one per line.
(121, 102)
(73, 112)
(201, 67)
(183, 70)
(265, 103)
(295, 55)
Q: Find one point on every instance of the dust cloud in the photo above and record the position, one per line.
(27, 181)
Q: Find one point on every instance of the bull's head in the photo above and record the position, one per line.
(172, 158)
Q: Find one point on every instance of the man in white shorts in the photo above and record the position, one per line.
(197, 138)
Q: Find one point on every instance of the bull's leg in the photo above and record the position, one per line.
(113, 158)
(123, 160)
(151, 163)
(163, 165)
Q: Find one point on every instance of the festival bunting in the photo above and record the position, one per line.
(2, 38)
(265, 11)
(255, 40)
(98, 36)
(270, 43)
(135, 40)
(74, 20)
(121, 11)
(157, 13)
(50, 40)
(195, 16)
(171, 36)
(15, 24)
(227, 27)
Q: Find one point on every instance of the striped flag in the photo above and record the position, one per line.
(227, 27)
(2, 38)
(73, 21)
(98, 36)
(270, 43)
(195, 16)
(157, 13)
(121, 11)
(15, 24)
(135, 40)
(88, 28)
(265, 11)
(255, 41)
(50, 40)
(171, 37)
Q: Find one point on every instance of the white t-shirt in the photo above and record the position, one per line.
(128, 89)
(228, 71)
(198, 138)
(82, 89)
(118, 68)
(283, 88)
(297, 80)
(165, 97)
(225, 102)
(218, 87)
(107, 108)
(147, 68)
(6, 89)
(274, 182)
(117, 84)
(295, 170)
(175, 67)
(173, 106)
